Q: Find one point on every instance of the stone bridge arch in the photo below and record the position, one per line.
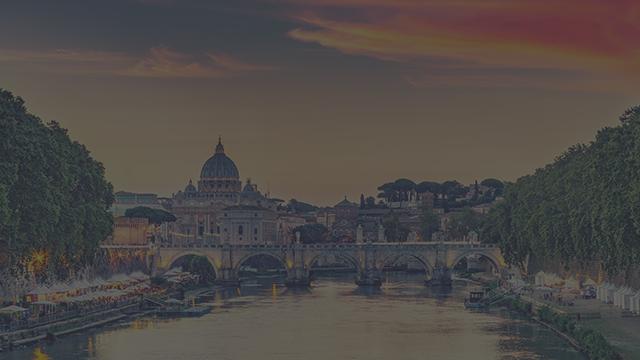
(173, 259)
(392, 258)
(282, 259)
(345, 256)
(494, 258)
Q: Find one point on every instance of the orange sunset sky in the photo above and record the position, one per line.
(316, 99)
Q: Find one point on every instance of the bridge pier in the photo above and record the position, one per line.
(369, 275)
(227, 277)
(441, 277)
(369, 279)
(297, 274)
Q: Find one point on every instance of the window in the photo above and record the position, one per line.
(240, 230)
(218, 229)
(255, 231)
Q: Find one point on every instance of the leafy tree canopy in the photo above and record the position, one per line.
(312, 233)
(54, 198)
(301, 207)
(582, 207)
(155, 216)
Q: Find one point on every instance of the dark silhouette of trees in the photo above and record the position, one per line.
(582, 207)
(155, 216)
(312, 233)
(430, 223)
(54, 198)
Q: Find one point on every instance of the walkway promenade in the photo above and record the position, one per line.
(620, 328)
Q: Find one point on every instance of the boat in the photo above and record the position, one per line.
(475, 300)
(191, 311)
(177, 308)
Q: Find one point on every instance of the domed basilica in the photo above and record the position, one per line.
(201, 210)
(219, 180)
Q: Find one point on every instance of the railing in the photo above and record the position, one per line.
(18, 325)
(330, 246)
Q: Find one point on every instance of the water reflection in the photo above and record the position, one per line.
(332, 320)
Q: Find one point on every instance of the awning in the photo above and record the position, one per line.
(12, 309)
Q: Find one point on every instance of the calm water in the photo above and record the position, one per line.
(333, 320)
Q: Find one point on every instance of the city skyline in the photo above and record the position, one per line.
(318, 99)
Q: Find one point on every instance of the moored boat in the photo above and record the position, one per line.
(475, 300)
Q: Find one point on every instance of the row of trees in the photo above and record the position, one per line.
(155, 216)
(445, 194)
(54, 199)
(582, 207)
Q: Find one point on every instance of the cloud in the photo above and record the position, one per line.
(159, 62)
(593, 37)
(163, 62)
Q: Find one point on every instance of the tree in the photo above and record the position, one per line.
(495, 184)
(387, 192)
(155, 216)
(312, 233)
(430, 223)
(580, 209)
(301, 207)
(453, 189)
(393, 229)
(403, 187)
(463, 222)
(54, 198)
(370, 202)
(428, 186)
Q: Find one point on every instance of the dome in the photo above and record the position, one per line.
(346, 203)
(249, 188)
(219, 165)
(190, 188)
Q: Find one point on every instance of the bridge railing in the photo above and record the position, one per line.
(325, 246)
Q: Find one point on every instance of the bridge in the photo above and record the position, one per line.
(369, 259)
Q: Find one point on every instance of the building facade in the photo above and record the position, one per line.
(248, 224)
(219, 202)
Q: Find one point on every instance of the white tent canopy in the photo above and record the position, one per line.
(12, 309)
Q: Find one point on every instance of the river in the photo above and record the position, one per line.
(334, 319)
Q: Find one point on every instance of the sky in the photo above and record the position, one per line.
(318, 99)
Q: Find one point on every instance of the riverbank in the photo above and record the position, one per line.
(583, 338)
(22, 337)
(620, 328)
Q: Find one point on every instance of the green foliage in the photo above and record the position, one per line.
(53, 195)
(430, 223)
(464, 222)
(584, 206)
(393, 229)
(594, 344)
(495, 184)
(396, 191)
(155, 216)
(370, 202)
(430, 186)
(312, 233)
(301, 207)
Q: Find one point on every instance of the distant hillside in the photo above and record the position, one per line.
(582, 208)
